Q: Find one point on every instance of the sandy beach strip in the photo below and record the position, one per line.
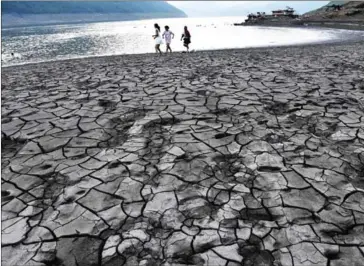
(229, 157)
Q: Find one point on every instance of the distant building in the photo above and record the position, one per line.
(277, 15)
(283, 12)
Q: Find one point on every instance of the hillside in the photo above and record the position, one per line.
(338, 11)
(34, 13)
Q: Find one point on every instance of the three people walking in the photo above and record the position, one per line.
(168, 35)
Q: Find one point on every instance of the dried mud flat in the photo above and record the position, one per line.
(240, 157)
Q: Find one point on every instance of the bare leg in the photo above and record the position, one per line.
(169, 48)
(158, 49)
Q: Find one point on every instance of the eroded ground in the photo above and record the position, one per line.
(251, 157)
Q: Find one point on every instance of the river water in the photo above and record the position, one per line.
(56, 42)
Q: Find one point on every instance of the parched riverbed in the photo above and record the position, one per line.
(235, 157)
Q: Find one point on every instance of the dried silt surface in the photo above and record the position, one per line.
(240, 157)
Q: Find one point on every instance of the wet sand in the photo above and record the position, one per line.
(235, 157)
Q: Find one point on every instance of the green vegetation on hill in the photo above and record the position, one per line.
(333, 3)
(339, 10)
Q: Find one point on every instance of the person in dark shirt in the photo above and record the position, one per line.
(186, 37)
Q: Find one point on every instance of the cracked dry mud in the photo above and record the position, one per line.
(241, 157)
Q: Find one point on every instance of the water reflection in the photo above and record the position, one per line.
(43, 43)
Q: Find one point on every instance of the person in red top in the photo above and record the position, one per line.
(186, 37)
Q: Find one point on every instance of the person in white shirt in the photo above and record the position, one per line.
(168, 36)
(157, 38)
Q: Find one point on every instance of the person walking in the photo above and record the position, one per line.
(186, 37)
(168, 36)
(157, 38)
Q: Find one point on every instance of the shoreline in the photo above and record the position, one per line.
(101, 57)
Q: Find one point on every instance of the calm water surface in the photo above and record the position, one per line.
(45, 43)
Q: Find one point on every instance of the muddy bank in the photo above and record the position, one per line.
(231, 157)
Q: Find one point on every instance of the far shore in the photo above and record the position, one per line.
(338, 24)
(40, 20)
